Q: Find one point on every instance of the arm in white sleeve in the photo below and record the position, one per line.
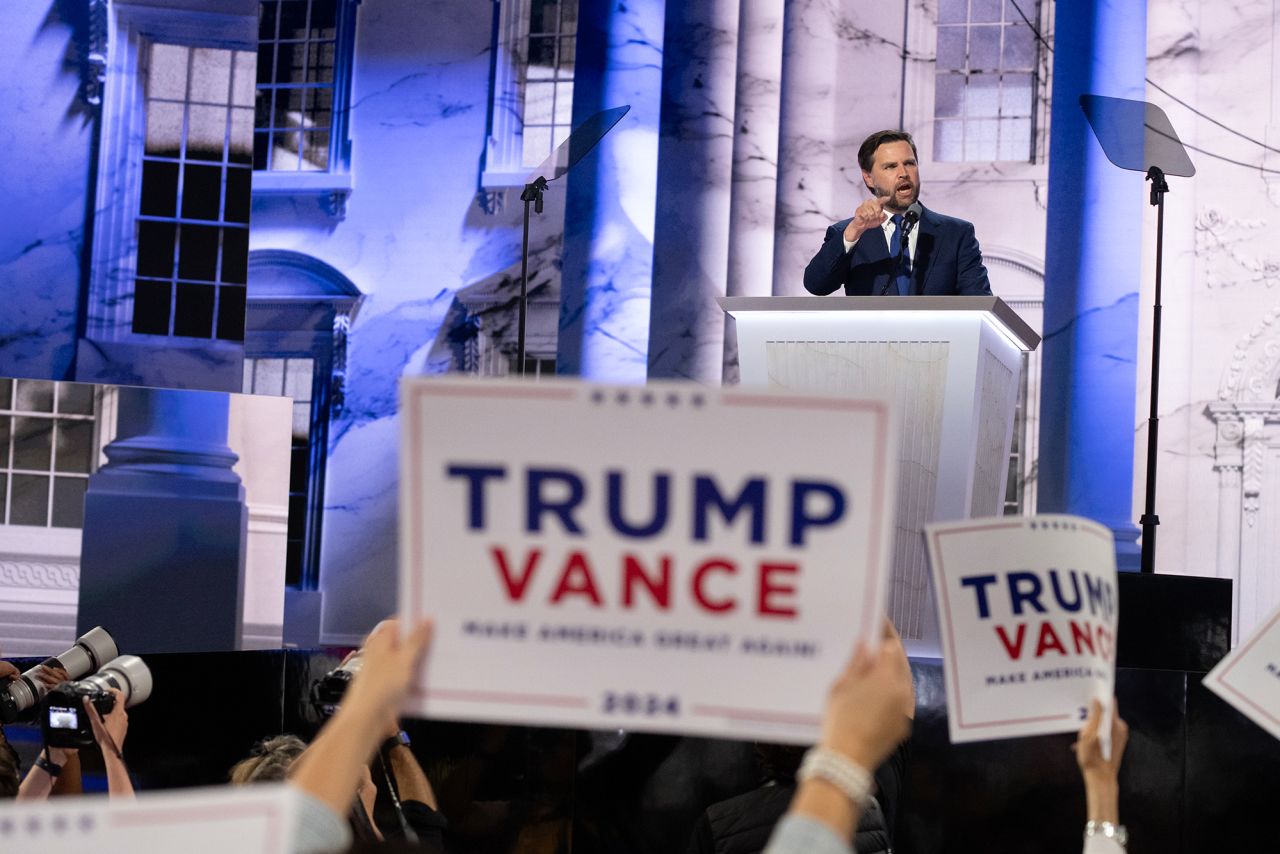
(1102, 845)
(319, 830)
(799, 834)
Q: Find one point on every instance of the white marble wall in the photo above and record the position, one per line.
(414, 234)
(841, 80)
(46, 136)
(1217, 491)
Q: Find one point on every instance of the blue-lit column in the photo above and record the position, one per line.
(162, 562)
(1093, 264)
(754, 187)
(695, 177)
(609, 202)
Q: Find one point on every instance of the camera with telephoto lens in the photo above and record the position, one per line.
(327, 691)
(66, 723)
(23, 694)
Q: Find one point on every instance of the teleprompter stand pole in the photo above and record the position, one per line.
(1149, 518)
(532, 194)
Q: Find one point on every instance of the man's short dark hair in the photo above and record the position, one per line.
(867, 151)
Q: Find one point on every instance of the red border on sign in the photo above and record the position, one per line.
(756, 715)
(946, 614)
(1244, 650)
(879, 409)
(162, 815)
(502, 697)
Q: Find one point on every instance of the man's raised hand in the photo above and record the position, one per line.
(870, 214)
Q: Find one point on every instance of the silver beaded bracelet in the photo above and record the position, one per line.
(1108, 830)
(848, 776)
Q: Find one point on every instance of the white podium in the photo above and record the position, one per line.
(953, 366)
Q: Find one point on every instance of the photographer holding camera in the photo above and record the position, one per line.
(56, 770)
(72, 716)
(331, 769)
(416, 816)
(47, 690)
(54, 764)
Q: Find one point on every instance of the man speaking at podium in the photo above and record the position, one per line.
(893, 244)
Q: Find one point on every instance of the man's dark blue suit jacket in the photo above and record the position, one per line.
(947, 261)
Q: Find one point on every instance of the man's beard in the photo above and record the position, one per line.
(890, 196)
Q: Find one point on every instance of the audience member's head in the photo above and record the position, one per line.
(269, 761)
(779, 762)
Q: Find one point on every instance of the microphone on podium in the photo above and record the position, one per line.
(910, 217)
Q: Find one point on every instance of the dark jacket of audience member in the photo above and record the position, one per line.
(743, 824)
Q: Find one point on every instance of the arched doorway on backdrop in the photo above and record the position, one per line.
(297, 319)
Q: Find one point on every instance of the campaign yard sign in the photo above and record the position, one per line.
(257, 819)
(1028, 611)
(668, 557)
(1249, 676)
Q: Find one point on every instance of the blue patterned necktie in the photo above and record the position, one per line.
(902, 262)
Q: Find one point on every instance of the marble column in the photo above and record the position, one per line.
(165, 525)
(1093, 268)
(695, 169)
(811, 47)
(754, 187)
(609, 201)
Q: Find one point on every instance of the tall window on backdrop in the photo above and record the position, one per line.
(305, 55)
(986, 80)
(47, 452)
(297, 50)
(531, 104)
(193, 218)
(548, 77)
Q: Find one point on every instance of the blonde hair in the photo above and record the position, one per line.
(269, 761)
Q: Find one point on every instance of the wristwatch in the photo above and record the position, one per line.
(400, 739)
(48, 766)
(1108, 830)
